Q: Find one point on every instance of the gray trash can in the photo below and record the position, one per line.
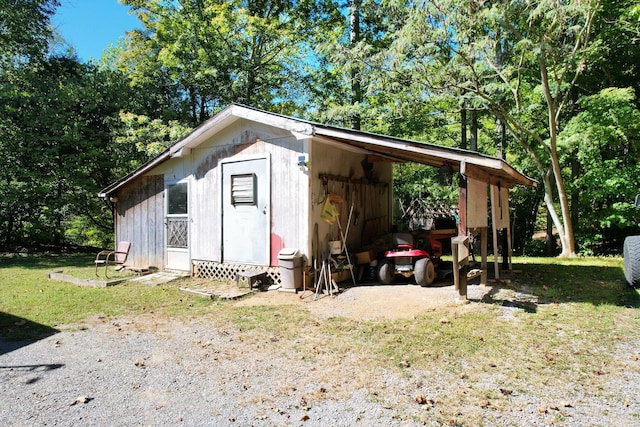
(290, 262)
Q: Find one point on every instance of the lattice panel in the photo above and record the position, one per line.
(227, 271)
(177, 232)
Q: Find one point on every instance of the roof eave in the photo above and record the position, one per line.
(475, 164)
(486, 168)
(299, 128)
(107, 191)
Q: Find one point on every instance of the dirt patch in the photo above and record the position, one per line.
(401, 301)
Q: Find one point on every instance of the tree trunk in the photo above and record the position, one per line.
(550, 241)
(203, 110)
(502, 137)
(575, 195)
(193, 106)
(463, 126)
(10, 218)
(57, 232)
(354, 37)
(566, 238)
(473, 141)
(565, 232)
(9, 231)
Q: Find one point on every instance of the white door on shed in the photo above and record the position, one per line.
(177, 227)
(245, 211)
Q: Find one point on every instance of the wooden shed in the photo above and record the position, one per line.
(247, 184)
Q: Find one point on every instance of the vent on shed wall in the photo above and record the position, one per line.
(243, 189)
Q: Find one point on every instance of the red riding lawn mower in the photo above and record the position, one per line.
(407, 260)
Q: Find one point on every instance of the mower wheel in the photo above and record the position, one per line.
(424, 272)
(386, 272)
(631, 252)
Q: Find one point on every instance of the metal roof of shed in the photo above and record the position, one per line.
(469, 163)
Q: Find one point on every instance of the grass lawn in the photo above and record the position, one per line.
(38, 305)
(584, 297)
(560, 321)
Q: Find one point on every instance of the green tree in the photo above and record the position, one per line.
(24, 29)
(58, 116)
(518, 60)
(150, 136)
(614, 55)
(346, 91)
(24, 36)
(219, 51)
(605, 134)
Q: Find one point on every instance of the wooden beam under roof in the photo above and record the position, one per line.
(479, 166)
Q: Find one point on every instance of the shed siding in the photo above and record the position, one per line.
(138, 217)
(244, 140)
(289, 198)
(296, 194)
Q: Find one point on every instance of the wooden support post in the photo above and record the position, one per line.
(456, 265)
(462, 292)
(461, 242)
(499, 220)
(484, 237)
(460, 249)
(509, 249)
(462, 207)
(505, 249)
(496, 266)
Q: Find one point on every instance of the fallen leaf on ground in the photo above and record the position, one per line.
(422, 400)
(80, 399)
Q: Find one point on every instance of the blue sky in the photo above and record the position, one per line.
(91, 25)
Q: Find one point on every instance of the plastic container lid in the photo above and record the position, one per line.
(289, 253)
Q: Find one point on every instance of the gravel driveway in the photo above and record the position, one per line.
(156, 371)
(115, 375)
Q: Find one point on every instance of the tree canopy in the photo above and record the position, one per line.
(550, 86)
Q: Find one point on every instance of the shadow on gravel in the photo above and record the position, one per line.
(16, 332)
(32, 369)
